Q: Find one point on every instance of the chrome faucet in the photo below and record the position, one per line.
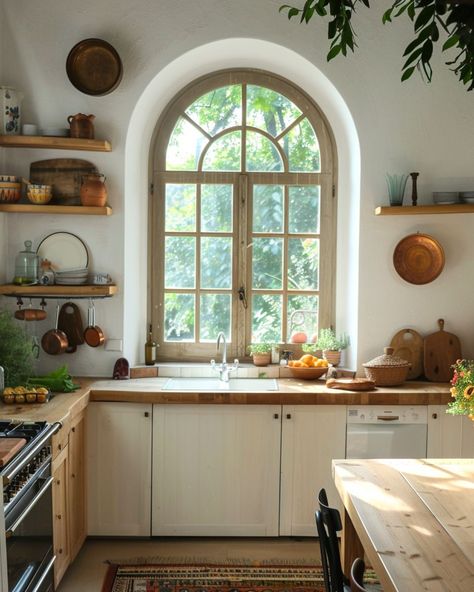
(223, 368)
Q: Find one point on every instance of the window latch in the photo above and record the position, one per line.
(242, 296)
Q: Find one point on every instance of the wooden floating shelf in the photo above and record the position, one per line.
(82, 291)
(55, 142)
(463, 208)
(47, 209)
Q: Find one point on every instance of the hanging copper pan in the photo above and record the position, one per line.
(418, 258)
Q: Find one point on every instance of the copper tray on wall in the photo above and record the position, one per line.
(94, 67)
(418, 258)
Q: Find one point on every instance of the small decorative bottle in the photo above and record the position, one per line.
(150, 349)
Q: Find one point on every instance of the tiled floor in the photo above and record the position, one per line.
(88, 570)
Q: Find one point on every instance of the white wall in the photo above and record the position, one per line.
(400, 128)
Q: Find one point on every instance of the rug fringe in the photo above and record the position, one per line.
(200, 560)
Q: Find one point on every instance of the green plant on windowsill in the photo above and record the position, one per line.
(327, 340)
(261, 353)
(462, 389)
(310, 348)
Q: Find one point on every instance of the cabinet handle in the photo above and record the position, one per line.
(60, 446)
(60, 551)
(276, 416)
(58, 516)
(288, 416)
(146, 414)
(73, 429)
(434, 416)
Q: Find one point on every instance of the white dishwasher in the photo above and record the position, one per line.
(374, 431)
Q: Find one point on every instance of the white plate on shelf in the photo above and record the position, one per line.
(65, 250)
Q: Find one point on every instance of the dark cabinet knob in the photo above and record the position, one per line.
(146, 414)
(276, 416)
(434, 416)
(288, 416)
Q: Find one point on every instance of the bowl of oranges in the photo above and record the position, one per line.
(308, 367)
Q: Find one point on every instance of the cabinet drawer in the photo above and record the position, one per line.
(60, 439)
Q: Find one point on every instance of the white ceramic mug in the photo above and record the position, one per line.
(29, 129)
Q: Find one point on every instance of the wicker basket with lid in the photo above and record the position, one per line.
(387, 370)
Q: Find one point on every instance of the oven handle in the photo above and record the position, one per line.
(388, 417)
(11, 531)
(20, 461)
(43, 576)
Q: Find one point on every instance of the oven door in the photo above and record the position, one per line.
(29, 538)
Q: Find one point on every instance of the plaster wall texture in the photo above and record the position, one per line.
(400, 128)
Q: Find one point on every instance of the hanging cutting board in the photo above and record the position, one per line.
(65, 175)
(408, 345)
(442, 349)
(70, 321)
(9, 447)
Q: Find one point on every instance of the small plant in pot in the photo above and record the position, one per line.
(331, 345)
(261, 353)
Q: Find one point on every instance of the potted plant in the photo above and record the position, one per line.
(261, 353)
(312, 348)
(331, 345)
(462, 389)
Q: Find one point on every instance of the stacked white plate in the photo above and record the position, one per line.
(71, 277)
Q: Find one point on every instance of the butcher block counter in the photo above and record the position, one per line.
(290, 392)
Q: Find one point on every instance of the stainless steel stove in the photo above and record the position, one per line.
(27, 536)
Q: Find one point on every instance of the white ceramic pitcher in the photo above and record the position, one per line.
(10, 104)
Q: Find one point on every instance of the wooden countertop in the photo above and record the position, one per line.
(65, 406)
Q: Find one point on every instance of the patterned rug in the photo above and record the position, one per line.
(214, 578)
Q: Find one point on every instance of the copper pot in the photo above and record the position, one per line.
(54, 341)
(93, 190)
(81, 126)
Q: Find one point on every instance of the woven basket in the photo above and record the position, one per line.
(387, 370)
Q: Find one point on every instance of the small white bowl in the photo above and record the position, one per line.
(55, 131)
(445, 197)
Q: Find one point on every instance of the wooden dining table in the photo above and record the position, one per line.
(414, 519)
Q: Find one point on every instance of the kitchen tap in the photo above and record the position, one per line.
(223, 368)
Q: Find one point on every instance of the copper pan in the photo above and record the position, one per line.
(54, 341)
(418, 258)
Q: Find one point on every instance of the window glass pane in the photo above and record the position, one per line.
(180, 210)
(180, 261)
(303, 263)
(304, 212)
(216, 208)
(179, 317)
(302, 148)
(224, 154)
(266, 318)
(269, 110)
(262, 154)
(214, 316)
(218, 110)
(216, 263)
(303, 316)
(267, 262)
(268, 208)
(184, 148)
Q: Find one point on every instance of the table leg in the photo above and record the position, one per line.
(351, 547)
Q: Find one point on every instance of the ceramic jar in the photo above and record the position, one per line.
(93, 190)
(81, 126)
(10, 104)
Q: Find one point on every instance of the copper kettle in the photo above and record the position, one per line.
(81, 126)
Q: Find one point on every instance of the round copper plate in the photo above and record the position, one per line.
(94, 67)
(418, 258)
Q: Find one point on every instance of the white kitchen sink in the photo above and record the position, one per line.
(216, 385)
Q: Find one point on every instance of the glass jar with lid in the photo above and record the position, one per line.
(26, 266)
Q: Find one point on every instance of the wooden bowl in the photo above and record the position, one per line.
(308, 373)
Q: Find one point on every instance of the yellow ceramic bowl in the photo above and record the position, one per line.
(10, 191)
(40, 194)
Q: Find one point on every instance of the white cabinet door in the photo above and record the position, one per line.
(216, 470)
(449, 436)
(119, 469)
(312, 436)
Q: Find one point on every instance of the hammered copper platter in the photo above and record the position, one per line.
(418, 258)
(94, 67)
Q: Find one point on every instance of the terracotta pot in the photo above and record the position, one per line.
(93, 190)
(81, 126)
(262, 359)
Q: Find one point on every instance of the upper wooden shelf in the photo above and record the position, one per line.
(55, 142)
(462, 208)
(52, 209)
(82, 291)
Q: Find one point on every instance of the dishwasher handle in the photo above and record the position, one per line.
(388, 417)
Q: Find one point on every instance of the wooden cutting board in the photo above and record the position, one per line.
(65, 175)
(351, 384)
(8, 448)
(70, 321)
(442, 349)
(408, 345)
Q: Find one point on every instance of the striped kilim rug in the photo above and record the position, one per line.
(215, 578)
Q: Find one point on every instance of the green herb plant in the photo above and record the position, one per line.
(455, 19)
(260, 348)
(327, 340)
(16, 354)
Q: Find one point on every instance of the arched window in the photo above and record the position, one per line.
(243, 216)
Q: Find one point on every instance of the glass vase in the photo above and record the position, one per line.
(396, 188)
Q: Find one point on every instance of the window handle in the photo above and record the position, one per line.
(242, 296)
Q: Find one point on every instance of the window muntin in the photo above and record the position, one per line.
(246, 193)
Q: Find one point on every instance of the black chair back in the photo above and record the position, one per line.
(357, 575)
(328, 524)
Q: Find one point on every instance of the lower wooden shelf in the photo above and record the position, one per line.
(58, 291)
(462, 208)
(55, 209)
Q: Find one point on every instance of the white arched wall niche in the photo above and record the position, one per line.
(219, 55)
